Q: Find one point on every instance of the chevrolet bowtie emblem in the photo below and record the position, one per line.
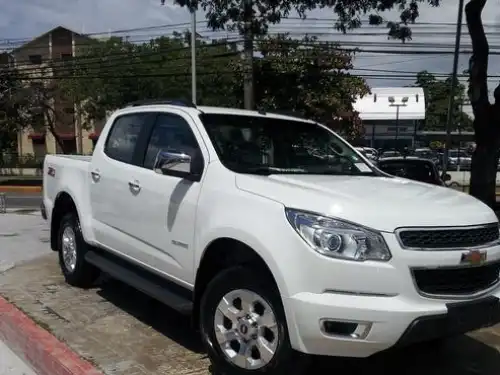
(473, 257)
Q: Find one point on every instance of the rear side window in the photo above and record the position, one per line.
(122, 138)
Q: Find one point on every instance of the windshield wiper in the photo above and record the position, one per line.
(266, 171)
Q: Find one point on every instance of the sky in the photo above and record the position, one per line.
(434, 30)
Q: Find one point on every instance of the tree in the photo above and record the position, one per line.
(8, 112)
(112, 73)
(437, 93)
(310, 78)
(36, 102)
(222, 14)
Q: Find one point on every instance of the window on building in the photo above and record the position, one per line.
(69, 146)
(39, 148)
(35, 59)
(66, 56)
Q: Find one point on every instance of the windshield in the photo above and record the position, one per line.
(263, 145)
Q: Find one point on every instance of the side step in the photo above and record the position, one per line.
(156, 287)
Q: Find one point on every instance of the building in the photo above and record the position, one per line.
(58, 44)
(392, 116)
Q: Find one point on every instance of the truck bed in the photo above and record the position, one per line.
(60, 171)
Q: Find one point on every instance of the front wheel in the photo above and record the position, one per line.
(243, 325)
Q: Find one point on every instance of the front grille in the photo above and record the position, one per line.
(457, 281)
(449, 238)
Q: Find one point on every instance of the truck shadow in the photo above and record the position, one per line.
(462, 355)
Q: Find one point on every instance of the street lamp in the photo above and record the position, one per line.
(393, 103)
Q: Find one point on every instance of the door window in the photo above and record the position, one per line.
(170, 133)
(123, 136)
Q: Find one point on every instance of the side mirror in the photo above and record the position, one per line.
(175, 164)
(446, 177)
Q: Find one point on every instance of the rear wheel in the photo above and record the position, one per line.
(243, 325)
(72, 248)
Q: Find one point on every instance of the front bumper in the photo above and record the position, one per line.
(382, 322)
(460, 318)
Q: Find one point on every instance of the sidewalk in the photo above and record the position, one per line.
(11, 364)
(112, 326)
(123, 332)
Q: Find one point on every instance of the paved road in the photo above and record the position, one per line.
(22, 238)
(24, 200)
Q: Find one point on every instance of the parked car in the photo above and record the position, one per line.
(426, 153)
(273, 233)
(459, 158)
(413, 168)
(389, 154)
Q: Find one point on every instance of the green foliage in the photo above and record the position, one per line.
(437, 93)
(304, 77)
(233, 14)
(309, 78)
(112, 73)
(9, 85)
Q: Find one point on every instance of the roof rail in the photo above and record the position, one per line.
(178, 102)
(290, 113)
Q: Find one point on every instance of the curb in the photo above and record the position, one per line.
(20, 189)
(46, 354)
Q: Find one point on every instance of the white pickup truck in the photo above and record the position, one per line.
(276, 235)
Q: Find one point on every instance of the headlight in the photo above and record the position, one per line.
(338, 239)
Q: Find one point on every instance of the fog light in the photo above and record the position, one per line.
(355, 330)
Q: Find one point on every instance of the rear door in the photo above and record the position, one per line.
(112, 177)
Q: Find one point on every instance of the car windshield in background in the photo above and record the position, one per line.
(264, 145)
(418, 170)
(390, 154)
(425, 154)
(456, 154)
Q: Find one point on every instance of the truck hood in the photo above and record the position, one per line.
(381, 203)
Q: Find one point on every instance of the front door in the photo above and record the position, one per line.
(167, 205)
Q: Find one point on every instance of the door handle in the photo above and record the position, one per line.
(134, 186)
(96, 175)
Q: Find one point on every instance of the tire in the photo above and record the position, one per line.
(238, 285)
(77, 272)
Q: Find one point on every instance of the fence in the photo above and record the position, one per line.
(3, 203)
(8, 161)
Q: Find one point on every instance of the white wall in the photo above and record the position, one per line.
(376, 106)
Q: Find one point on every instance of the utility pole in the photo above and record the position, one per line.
(193, 54)
(451, 101)
(248, 55)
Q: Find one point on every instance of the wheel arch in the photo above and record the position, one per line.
(63, 204)
(222, 253)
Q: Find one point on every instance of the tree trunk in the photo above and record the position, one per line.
(52, 130)
(484, 171)
(248, 79)
(486, 115)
